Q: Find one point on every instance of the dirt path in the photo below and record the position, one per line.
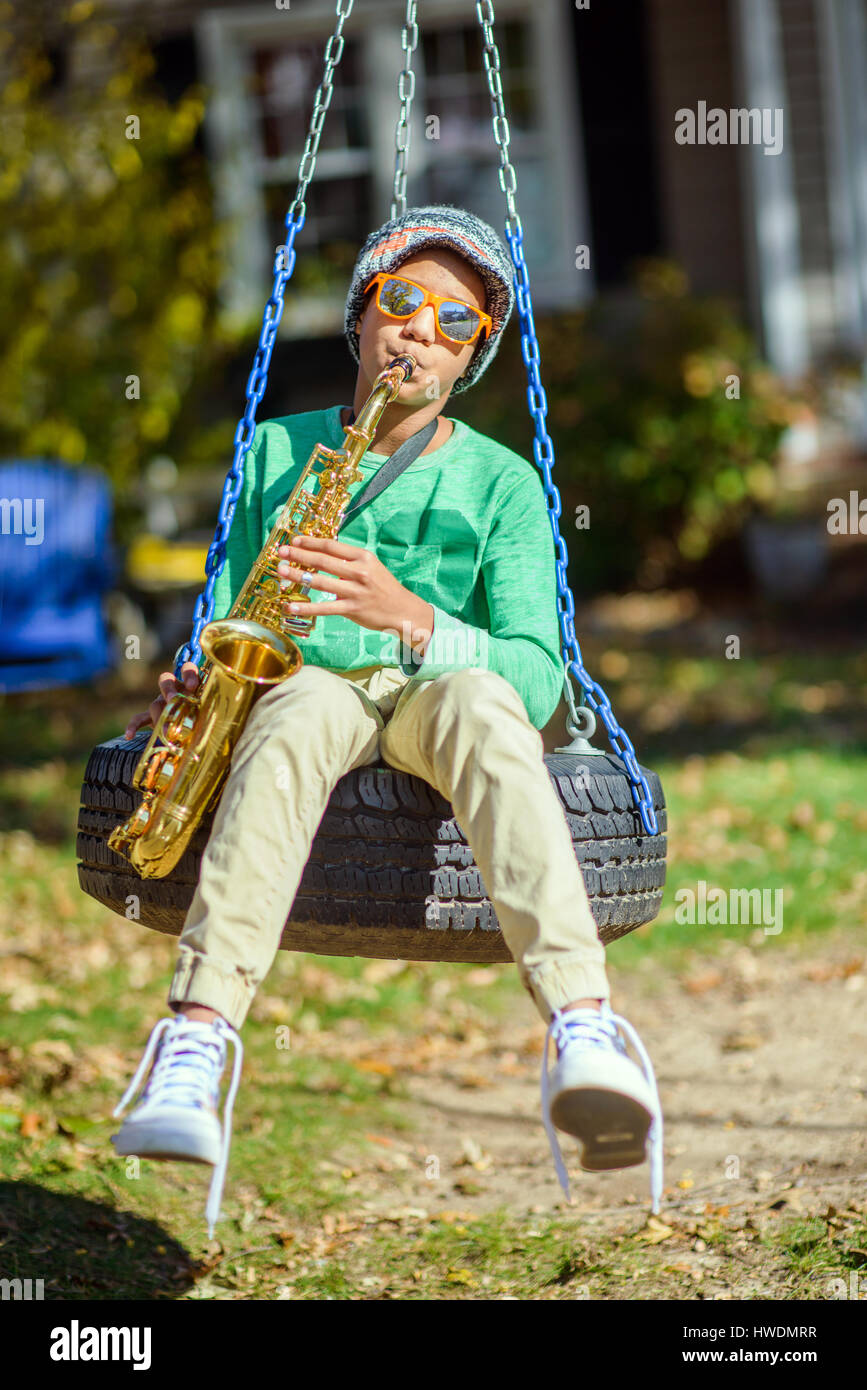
(761, 1060)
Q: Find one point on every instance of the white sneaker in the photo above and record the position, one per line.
(176, 1117)
(598, 1094)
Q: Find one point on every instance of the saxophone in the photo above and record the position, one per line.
(186, 759)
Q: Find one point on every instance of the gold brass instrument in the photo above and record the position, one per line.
(186, 759)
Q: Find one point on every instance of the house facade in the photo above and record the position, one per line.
(730, 135)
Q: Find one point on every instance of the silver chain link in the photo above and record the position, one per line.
(543, 449)
(506, 172)
(284, 264)
(580, 722)
(321, 103)
(403, 129)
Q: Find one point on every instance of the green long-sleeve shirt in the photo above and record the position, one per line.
(465, 527)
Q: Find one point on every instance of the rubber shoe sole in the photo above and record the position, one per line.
(171, 1135)
(605, 1103)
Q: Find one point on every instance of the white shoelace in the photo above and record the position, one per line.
(197, 1051)
(600, 1029)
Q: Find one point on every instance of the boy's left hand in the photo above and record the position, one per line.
(366, 591)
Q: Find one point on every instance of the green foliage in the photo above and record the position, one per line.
(644, 431)
(109, 259)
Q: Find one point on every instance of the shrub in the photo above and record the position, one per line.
(109, 262)
(646, 432)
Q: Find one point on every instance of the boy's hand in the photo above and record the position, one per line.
(168, 687)
(367, 592)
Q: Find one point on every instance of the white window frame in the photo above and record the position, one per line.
(224, 38)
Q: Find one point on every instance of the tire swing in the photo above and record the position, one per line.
(390, 874)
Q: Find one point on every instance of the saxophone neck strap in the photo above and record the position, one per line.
(392, 468)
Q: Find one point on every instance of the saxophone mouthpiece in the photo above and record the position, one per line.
(405, 360)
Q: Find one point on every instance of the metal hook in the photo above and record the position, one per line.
(581, 727)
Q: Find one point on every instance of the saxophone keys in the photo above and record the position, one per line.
(151, 772)
(178, 718)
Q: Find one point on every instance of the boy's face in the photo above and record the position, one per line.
(439, 361)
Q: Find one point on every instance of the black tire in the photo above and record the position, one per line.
(390, 874)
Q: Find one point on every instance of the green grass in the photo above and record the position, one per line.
(764, 765)
(793, 823)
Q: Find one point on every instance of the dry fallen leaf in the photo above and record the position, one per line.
(373, 1064)
(484, 975)
(700, 984)
(473, 1155)
(742, 1042)
(711, 1210)
(378, 971)
(820, 971)
(399, 1214)
(655, 1231)
(472, 1080)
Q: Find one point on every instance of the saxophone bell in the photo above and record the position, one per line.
(249, 651)
(186, 759)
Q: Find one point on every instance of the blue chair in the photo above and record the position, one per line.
(57, 560)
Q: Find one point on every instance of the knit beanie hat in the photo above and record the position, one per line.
(440, 225)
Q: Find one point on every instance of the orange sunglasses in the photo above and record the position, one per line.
(400, 298)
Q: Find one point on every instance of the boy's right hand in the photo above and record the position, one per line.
(168, 686)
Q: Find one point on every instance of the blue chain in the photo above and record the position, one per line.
(543, 449)
(284, 264)
(543, 452)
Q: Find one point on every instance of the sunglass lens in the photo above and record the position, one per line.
(399, 297)
(457, 321)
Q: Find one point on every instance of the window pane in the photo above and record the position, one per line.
(460, 168)
(285, 81)
(463, 164)
(456, 85)
(338, 220)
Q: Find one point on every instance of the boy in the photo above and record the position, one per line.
(439, 652)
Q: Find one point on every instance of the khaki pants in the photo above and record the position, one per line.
(467, 734)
